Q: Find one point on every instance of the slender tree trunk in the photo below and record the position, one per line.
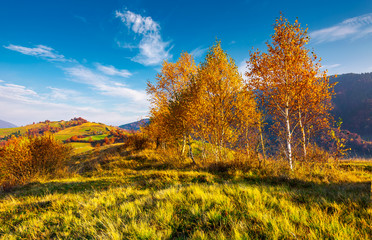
(248, 148)
(303, 135)
(203, 150)
(289, 138)
(262, 143)
(190, 150)
(157, 143)
(183, 144)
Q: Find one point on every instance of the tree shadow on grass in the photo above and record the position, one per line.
(304, 192)
(37, 189)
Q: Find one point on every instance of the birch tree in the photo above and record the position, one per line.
(167, 116)
(223, 106)
(288, 82)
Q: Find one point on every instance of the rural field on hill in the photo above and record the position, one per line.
(186, 119)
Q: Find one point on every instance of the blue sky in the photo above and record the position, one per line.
(61, 59)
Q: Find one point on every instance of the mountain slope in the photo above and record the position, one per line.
(5, 124)
(135, 126)
(353, 103)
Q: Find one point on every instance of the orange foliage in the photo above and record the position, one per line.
(24, 158)
(167, 122)
(224, 109)
(288, 81)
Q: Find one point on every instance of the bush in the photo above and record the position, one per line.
(137, 141)
(24, 158)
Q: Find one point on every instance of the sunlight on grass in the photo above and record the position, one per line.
(120, 195)
(80, 147)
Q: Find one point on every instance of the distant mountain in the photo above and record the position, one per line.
(135, 126)
(4, 124)
(353, 103)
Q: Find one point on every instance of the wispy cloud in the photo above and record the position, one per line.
(23, 105)
(353, 28)
(198, 52)
(83, 19)
(17, 92)
(242, 68)
(112, 71)
(330, 66)
(41, 51)
(62, 94)
(152, 49)
(69, 95)
(103, 84)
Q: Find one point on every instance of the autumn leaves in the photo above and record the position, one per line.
(213, 104)
(291, 87)
(209, 102)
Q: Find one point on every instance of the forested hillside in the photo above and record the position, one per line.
(353, 103)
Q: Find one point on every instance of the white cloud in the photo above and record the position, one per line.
(198, 52)
(17, 92)
(22, 106)
(69, 95)
(152, 49)
(62, 94)
(83, 19)
(138, 24)
(353, 28)
(103, 84)
(112, 71)
(242, 67)
(331, 66)
(41, 51)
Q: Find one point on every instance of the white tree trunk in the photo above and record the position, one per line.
(303, 135)
(183, 144)
(289, 138)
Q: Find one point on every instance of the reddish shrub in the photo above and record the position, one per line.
(23, 158)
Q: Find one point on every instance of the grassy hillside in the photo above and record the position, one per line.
(89, 133)
(88, 129)
(7, 131)
(117, 193)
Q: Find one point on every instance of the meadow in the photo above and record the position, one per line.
(116, 192)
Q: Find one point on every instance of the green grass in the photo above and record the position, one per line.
(6, 131)
(118, 194)
(80, 147)
(95, 137)
(84, 129)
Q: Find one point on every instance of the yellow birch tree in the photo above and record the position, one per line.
(288, 81)
(168, 121)
(223, 105)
